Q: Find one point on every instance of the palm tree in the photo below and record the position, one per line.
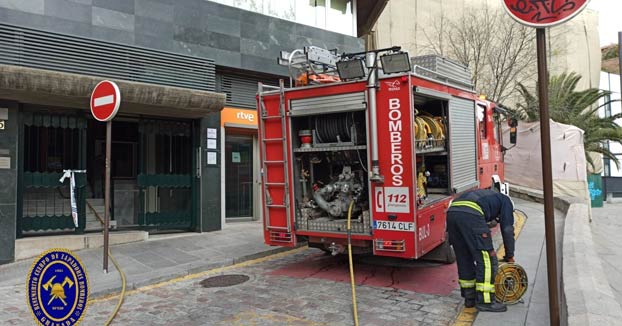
(577, 108)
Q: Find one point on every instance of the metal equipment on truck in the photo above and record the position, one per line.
(378, 137)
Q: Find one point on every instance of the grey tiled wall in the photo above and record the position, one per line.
(232, 37)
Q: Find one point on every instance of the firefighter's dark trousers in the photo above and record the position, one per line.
(477, 261)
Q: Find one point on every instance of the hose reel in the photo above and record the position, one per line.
(510, 283)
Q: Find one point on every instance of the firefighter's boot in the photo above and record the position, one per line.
(493, 306)
(470, 297)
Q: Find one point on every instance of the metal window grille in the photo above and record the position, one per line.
(32, 48)
(241, 90)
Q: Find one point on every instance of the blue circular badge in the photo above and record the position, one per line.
(58, 288)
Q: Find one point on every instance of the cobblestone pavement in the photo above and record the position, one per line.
(265, 299)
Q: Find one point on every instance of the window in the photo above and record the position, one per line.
(481, 117)
(339, 17)
(333, 15)
(606, 167)
(50, 149)
(495, 127)
(607, 99)
(311, 12)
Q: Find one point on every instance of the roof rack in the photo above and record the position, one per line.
(442, 69)
(310, 65)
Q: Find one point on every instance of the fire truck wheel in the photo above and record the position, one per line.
(444, 253)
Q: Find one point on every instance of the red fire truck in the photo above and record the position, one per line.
(389, 141)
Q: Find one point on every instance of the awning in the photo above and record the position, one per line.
(45, 87)
(367, 13)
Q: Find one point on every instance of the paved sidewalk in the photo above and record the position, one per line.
(531, 254)
(607, 236)
(160, 258)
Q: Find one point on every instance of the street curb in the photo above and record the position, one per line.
(172, 274)
(585, 300)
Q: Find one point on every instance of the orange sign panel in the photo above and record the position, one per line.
(238, 117)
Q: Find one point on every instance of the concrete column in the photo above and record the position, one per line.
(209, 219)
(8, 180)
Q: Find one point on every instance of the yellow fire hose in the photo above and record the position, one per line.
(122, 295)
(354, 308)
(510, 283)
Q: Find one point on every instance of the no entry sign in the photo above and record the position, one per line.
(105, 100)
(543, 13)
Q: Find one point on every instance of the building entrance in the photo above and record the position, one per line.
(153, 179)
(125, 201)
(239, 178)
(152, 183)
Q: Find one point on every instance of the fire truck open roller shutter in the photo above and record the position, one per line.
(432, 93)
(329, 104)
(463, 144)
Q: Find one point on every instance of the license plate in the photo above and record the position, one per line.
(394, 226)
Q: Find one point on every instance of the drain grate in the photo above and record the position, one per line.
(224, 280)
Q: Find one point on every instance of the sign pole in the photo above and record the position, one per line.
(105, 102)
(107, 193)
(547, 177)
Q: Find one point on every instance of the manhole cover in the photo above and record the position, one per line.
(223, 281)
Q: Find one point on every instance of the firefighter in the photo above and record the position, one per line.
(468, 220)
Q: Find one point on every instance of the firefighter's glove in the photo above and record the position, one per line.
(509, 259)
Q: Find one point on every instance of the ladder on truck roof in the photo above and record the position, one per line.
(277, 233)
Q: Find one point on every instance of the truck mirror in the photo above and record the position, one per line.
(512, 122)
(513, 135)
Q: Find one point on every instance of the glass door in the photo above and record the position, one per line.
(239, 177)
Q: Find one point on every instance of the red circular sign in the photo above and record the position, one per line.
(543, 13)
(105, 100)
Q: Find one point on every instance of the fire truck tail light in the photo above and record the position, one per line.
(280, 236)
(390, 245)
(404, 79)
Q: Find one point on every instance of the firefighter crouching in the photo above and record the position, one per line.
(468, 220)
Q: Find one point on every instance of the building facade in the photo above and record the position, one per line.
(573, 46)
(179, 160)
(611, 106)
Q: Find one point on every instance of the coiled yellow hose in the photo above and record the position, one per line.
(510, 283)
(354, 308)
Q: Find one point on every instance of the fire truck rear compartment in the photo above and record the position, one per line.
(330, 171)
(430, 131)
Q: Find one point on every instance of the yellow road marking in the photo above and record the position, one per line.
(518, 227)
(201, 274)
(467, 316)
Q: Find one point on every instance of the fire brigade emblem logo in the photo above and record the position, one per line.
(393, 85)
(57, 288)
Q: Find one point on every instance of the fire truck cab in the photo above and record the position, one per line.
(389, 149)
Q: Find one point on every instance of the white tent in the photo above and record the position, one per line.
(523, 163)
